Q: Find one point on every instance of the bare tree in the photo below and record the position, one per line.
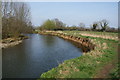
(103, 24)
(82, 26)
(59, 23)
(15, 18)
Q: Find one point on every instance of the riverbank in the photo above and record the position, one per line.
(5, 43)
(84, 43)
(92, 64)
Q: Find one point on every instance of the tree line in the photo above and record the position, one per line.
(56, 24)
(16, 19)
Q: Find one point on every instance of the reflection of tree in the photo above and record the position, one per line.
(49, 40)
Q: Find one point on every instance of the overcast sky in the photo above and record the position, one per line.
(73, 13)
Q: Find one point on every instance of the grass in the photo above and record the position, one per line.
(90, 63)
(114, 72)
(93, 32)
(107, 35)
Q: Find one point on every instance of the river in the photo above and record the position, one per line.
(36, 55)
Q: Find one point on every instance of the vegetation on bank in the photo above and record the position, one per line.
(91, 63)
(114, 73)
(16, 19)
(12, 41)
(105, 35)
(56, 24)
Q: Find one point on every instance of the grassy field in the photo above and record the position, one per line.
(99, 63)
(105, 35)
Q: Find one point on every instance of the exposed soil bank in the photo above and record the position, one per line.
(89, 65)
(11, 41)
(84, 43)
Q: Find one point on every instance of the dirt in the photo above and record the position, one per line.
(83, 43)
(100, 36)
(5, 43)
(104, 72)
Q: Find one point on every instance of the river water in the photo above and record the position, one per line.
(36, 55)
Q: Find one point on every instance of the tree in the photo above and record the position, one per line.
(48, 25)
(103, 24)
(82, 26)
(15, 18)
(54, 24)
(94, 25)
(59, 23)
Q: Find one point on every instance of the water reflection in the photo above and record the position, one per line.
(36, 55)
(48, 40)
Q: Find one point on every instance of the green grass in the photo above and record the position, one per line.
(93, 32)
(115, 72)
(88, 65)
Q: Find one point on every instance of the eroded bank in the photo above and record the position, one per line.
(84, 43)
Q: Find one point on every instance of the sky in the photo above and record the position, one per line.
(74, 13)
